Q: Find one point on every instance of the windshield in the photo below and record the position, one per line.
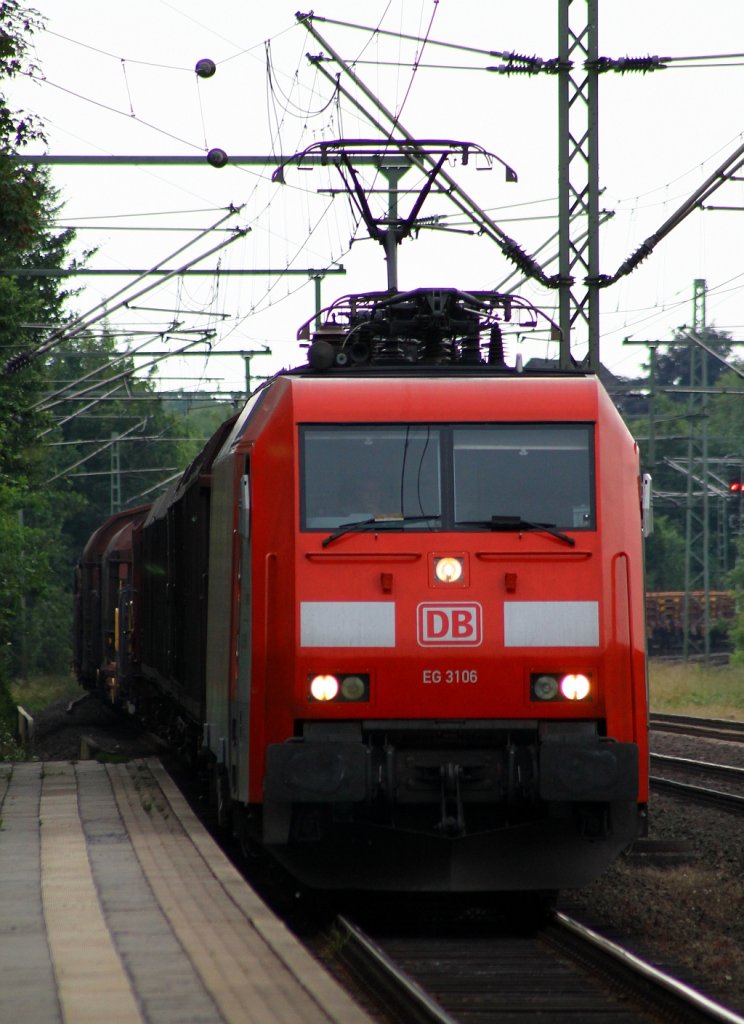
(447, 476)
(537, 472)
(357, 473)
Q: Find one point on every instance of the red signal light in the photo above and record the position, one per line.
(735, 485)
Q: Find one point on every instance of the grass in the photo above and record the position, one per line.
(703, 690)
(33, 695)
(39, 692)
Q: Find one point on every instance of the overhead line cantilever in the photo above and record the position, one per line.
(459, 197)
(85, 321)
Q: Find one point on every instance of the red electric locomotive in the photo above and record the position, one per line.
(424, 665)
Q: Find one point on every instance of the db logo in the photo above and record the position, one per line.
(450, 625)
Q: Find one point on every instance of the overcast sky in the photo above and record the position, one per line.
(119, 80)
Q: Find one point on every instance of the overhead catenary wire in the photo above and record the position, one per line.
(45, 405)
(134, 471)
(274, 88)
(723, 173)
(458, 196)
(147, 438)
(104, 309)
(404, 35)
(91, 455)
(121, 377)
(155, 487)
(179, 160)
(116, 56)
(272, 295)
(130, 116)
(49, 401)
(86, 320)
(622, 64)
(415, 68)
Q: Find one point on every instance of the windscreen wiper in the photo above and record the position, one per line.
(505, 523)
(374, 523)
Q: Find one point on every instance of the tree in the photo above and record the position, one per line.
(31, 540)
(147, 437)
(680, 420)
(665, 557)
(673, 367)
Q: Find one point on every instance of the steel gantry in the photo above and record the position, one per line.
(697, 540)
(578, 182)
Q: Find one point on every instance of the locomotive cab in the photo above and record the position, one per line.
(438, 676)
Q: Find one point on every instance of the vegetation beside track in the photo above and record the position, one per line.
(38, 692)
(34, 695)
(711, 691)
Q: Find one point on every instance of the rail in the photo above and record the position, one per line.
(391, 985)
(710, 728)
(668, 994)
(700, 794)
(612, 968)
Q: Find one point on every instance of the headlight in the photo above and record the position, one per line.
(560, 686)
(575, 687)
(338, 686)
(323, 687)
(448, 569)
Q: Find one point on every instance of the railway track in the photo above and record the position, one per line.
(563, 972)
(708, 728)
(731, 798)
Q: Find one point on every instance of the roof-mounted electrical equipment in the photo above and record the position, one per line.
(426, 327)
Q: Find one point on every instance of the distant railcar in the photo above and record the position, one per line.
(103, 580)
(665, 619)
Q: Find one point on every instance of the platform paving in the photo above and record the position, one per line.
(116, 905)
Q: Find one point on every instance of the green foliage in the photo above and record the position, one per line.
(674, 366)
(676, 422)
(665, 557)
(56, 465)
(726, 419)
(33, 609)
(148, 439)
(17, 26)
(10, 749)
(37, 692)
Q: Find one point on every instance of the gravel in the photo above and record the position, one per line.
(61, 728)
(686, 915)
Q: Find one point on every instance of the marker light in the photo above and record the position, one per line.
(352, 688)
(545, 687)
(448, 569)
(575, 687)
(324, 687)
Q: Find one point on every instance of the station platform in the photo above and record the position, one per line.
(116, 905)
